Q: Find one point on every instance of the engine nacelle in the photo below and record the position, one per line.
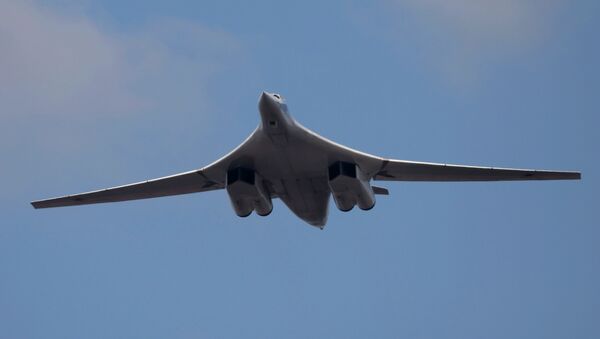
(246, 192)
(350, 187)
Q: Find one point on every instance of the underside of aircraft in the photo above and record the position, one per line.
(283, 159)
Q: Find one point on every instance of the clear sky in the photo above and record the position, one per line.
(99, 93)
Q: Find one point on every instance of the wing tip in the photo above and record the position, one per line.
(570, 175)
(48, 203)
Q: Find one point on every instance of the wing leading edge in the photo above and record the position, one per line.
(380, 168)
(209, 178)
(183, 183)
(401, 170)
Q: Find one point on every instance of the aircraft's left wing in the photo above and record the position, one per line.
(402, 170)
(380, 168)
(183, 183)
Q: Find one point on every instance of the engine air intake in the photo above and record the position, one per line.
(350, 187)
(342, 168)
(240, 173)
(247, 193)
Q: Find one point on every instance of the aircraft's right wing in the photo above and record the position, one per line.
(401, 170)
(183, 183)
(209, 178)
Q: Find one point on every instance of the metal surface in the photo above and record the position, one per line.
(292, 163)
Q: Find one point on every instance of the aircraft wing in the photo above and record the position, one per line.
(209, 178)
(380, 168)
(183, 183)
(401, 170)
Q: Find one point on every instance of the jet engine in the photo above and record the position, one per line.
(247, 193)
(350, 187)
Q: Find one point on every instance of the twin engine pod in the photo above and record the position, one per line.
(350, 187)
(247, 193)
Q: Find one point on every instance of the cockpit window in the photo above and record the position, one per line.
(277, 96)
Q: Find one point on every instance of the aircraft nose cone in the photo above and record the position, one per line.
(265, 101)
(264, 96)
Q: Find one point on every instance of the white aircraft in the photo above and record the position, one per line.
(283, 159)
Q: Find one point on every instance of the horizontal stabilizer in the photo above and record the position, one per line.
(380, 190)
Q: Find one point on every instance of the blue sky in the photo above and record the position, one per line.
(99, 93)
